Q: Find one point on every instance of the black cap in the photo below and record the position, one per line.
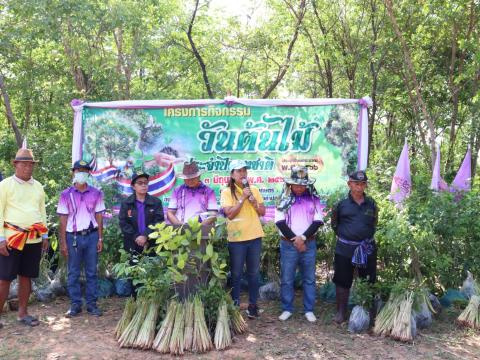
(359, 175)
(81, 164)
(137, 175)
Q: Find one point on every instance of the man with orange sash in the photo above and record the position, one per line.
(23, 233)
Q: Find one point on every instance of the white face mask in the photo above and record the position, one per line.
(80, 178)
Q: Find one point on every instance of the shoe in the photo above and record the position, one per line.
(285, 315)
(95, 311)
(310, 317)
(252, 311)
(74, 310)
(342, 303)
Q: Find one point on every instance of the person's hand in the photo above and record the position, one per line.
(99, 246)
(64, 248)
(45, 244)
(299, 244)
(247, 192)
(141, 240)
(3, 248)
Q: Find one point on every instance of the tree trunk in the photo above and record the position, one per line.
(9, 113)
(197, 55)
(413, 78)
(284, 67)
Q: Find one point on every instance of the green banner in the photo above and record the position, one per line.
(270, 139)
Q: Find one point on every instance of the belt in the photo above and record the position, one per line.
(308, 239)
(83, 232)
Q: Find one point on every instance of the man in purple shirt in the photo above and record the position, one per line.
(192, 199)
(80, 208)
(298, 217)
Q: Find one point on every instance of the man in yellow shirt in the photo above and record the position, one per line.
(243, 206)
(23, 233)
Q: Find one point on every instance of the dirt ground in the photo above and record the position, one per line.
(88, 337)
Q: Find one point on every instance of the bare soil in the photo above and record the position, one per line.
(87, 337)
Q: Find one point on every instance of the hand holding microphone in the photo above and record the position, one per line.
(246, 185)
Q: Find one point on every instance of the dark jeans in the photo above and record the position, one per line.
(84, 254)
(242, 252)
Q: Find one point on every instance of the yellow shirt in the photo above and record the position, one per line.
(246, 225)
(22, 203)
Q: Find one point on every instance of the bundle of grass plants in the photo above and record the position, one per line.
(162, 340)
(237, 322)
(176, 340)
(223, 336)
(146, 333)
(127, 316)
(396, 318)
(128, 337)
(470, 317)
(202, 341)
(188, 331)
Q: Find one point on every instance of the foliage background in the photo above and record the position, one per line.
(419, 61)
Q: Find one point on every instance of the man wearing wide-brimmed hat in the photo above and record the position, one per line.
(298, 216)
(192, 199)
(23, 232)
(354, 220)
(80, 208)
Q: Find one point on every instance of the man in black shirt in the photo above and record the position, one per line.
(354, 221)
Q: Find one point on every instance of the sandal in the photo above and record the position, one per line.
(29, 321)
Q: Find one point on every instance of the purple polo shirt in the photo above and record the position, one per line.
(190, 202)
(305, 210)
(80, 207)
(140, 216)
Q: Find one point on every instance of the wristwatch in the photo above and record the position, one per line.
(240, 201)
(100, 239)
(304, 238)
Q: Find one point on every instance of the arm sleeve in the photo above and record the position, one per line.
(334, 219)
(285, 229)
(3, 201)
(100, 206)
(212, 200)
(43, 211)
(158, 218)
(62, 206)
(172, 204)
(312, 229)
(125, 224)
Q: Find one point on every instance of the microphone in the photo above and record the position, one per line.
(246, 185)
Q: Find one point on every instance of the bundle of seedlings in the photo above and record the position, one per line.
(237, 322)
(188, 331)
(161, 343)
(402, 323)
(129, 335)
(127, 316)
(363, 299)
(470, 317)
(202, 341)
(223, 336)
(146, 333)
(177, 338)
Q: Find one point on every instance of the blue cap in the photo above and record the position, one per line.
(81, 164)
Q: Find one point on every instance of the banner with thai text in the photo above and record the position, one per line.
(272, 139)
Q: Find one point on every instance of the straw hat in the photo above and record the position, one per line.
(24, 155)
(190, 171)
